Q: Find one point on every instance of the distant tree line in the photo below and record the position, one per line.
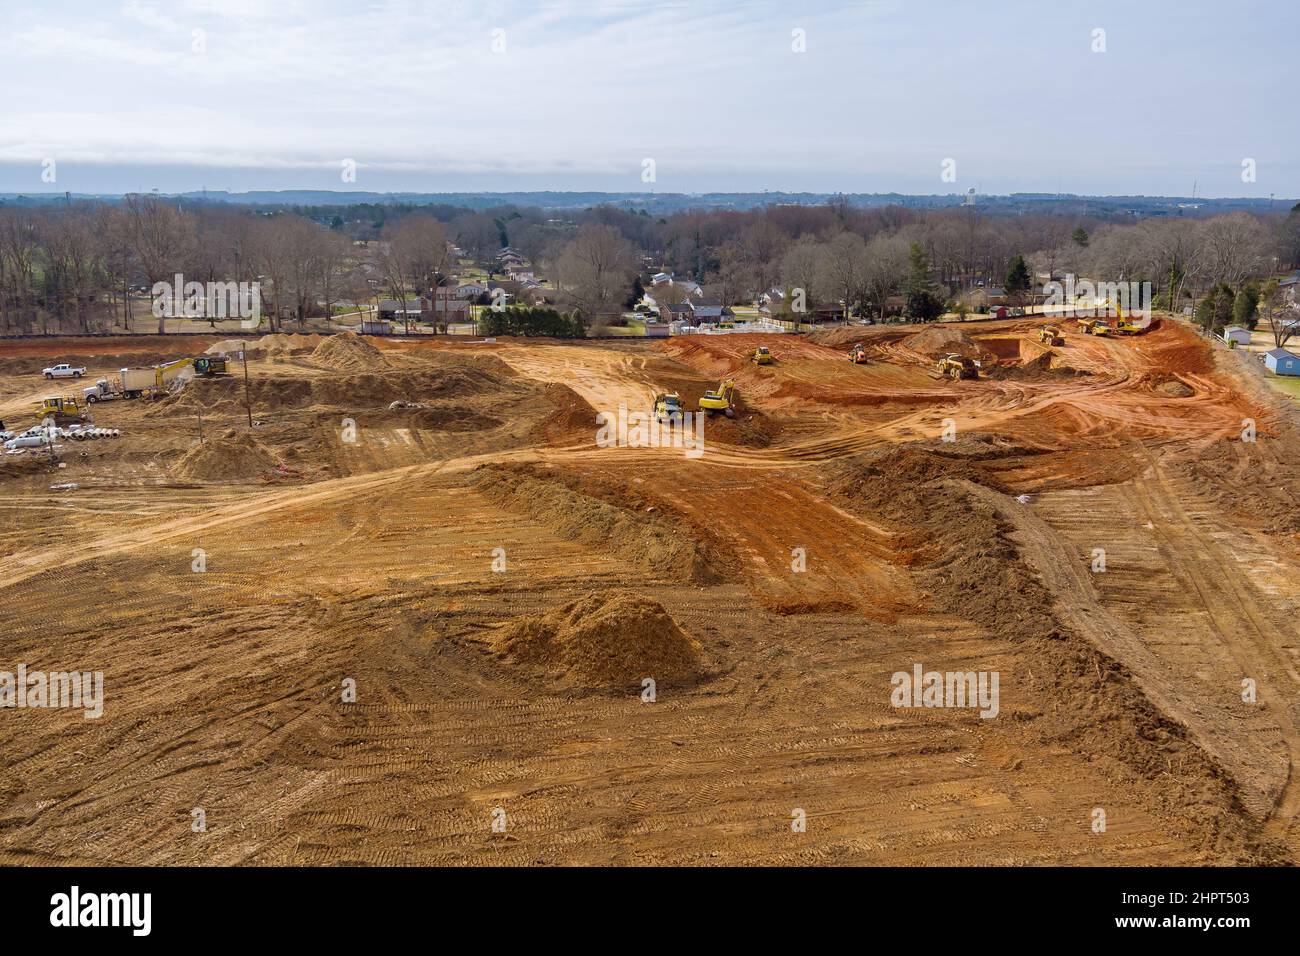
(71, 267)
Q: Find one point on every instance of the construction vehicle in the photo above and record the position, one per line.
(958, 366)
(59, 411)
(668, 407)
(858, 354)
(1094, 327)
(101, 391)
(1125, 324)
(720, 400)
(1051, 335)
(210, 365)
(762, 356)
(151, 381)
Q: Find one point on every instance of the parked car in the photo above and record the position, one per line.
(63, 370)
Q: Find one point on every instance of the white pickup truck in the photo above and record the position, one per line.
(63, 371)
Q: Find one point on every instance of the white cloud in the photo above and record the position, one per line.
(883, 93)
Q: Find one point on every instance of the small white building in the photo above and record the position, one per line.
(1236, 334)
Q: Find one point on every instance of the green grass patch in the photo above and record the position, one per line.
(1288, 384)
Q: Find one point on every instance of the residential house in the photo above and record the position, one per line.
(1290, 287)
(706, 311)
(444, 306)
(391, 310)
(676, 312)
(469, 290)
(661, 280)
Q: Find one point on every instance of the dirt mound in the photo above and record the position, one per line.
(611, 640)
(652, 544)
(348, 352)
(458, 381)
(274, 343)
(225, 459)
(937, 342)
(572, 418)
(968, 559)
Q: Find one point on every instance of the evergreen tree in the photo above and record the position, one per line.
(638, 292)
(922, 301)
(1018, 281)
(1245, 307)
(1080, 237)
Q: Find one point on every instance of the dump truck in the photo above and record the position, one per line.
(56, 410)
(720, 400)
(1094, 327)
(762, 356)
(668, 407)
(136, 382)
(1051, 335)
(958, 366)
(858, 354)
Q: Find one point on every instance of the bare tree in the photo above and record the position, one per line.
(74, 269)
(596, 270)
(800, 268)
(117, 254)
(1235, 247)
(162, 236)
(844, 269)
(19, 248)
(414, 259)
(886, 269)
(1280, 312)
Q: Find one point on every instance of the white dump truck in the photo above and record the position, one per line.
(137, 382)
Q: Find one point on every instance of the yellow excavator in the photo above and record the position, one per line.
(1125, 325)
(720, 400)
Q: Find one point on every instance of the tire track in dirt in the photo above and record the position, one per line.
(1231, 602)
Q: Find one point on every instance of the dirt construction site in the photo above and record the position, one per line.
(418, 613)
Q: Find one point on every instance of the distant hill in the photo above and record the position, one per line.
(1103, 207)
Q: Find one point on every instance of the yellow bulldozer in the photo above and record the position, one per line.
(858, 354)
(762, 356)
(59, 411)
(720, 400)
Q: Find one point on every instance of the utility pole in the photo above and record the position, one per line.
(248, 404)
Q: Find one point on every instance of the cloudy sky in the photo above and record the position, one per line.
(576, 94)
